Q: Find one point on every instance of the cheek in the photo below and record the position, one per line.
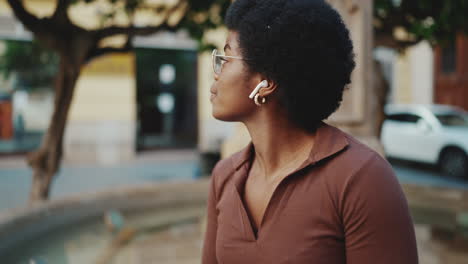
(232, 103)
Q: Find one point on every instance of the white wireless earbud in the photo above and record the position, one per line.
(262, 84)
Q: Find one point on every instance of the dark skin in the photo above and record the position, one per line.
(280, 146)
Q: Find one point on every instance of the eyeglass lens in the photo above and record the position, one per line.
(217, 62)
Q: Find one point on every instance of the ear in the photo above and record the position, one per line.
(269, 89)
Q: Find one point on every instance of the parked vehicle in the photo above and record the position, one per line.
(435, 134)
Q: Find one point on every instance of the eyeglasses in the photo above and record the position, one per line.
(219, 60)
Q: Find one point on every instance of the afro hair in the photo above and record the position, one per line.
(303, 46)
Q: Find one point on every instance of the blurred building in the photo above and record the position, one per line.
(156, 97)
(425, 75)
(409, 74)
(451, 73)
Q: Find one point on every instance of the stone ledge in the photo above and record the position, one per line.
(441, 208)
(20, 224)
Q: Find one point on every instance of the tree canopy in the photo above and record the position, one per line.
(402, 23)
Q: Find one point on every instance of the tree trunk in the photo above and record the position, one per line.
(45, 161)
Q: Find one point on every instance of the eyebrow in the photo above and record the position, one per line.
(226, 47)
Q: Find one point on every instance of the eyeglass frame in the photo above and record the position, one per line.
(215, 54)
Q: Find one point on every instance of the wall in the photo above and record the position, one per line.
(452, 88)
(414, 78)
(101, 124)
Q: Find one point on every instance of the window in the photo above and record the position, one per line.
(453, 119)
(449, 58)
(406, 118)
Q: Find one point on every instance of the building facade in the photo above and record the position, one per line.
(451, 73)
(156, 97)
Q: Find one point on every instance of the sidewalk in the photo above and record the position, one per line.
(25, 143)
(73, 178)
(155, 166)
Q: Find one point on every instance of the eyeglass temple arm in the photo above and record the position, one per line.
(233, 57)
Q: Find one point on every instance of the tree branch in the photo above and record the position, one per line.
(60, 14)
(170, 12)
(30, 21)
(388, 40)
(142, 31)
(96, 52)
(131, 30)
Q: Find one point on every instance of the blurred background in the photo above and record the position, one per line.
(107, 139)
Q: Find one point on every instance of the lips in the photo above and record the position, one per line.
(213, 95)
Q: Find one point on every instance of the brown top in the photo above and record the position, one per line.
(342, 205)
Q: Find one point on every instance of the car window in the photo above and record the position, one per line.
(404, 117)
(453, 119)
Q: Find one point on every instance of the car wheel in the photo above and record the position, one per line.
(454, 163)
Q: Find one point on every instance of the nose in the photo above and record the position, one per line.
(215, 76)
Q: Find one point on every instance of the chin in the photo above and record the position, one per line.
(223, 115)
(220, 116)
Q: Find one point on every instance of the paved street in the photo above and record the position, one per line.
(15, 177)
(409, 172)
(175, 165)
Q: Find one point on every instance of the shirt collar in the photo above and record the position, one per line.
(329, 140)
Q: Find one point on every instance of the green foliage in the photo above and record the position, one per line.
(33, 65)
(214, 12)
(433, 20)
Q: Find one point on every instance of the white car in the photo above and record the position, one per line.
(435, 134)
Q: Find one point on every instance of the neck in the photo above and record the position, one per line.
(279, 144)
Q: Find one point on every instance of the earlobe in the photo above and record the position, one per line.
(257, 102)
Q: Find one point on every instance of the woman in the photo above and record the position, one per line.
(302, 191)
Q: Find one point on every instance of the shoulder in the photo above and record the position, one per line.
(341, 154)
(358, 158)
(365, 159)
(356, 171)
(372, 205)
(368, 179)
